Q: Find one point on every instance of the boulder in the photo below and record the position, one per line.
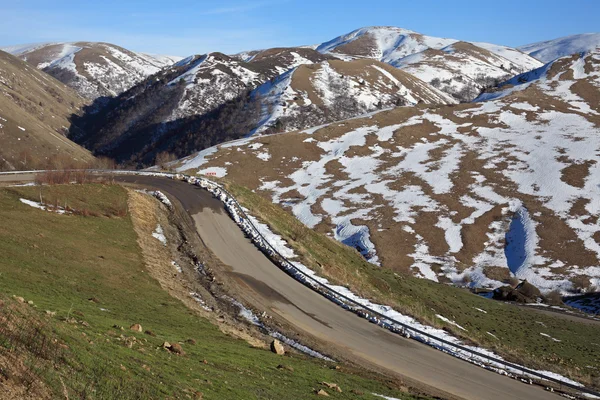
(176, 348)
(321, 392)
(333, 386)
(525, 292)
(277, 347)
(136, 328)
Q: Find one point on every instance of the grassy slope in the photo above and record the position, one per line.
(517, 329)
(60, 262)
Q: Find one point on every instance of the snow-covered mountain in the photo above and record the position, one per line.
(204, 99)
(383, 43)
(550, 50)
(313, 94)
(277, 61)
(471, 194)
(461, 69)
(573, 80)
(35, 113)
(92, 69)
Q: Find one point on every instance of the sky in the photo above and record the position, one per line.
(190, 27)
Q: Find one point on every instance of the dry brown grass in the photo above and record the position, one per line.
(27, 348)
(146, 214)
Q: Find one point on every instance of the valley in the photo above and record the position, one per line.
(384, 214)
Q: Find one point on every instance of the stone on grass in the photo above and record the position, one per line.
(277, 347)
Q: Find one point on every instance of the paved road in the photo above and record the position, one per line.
(314, 314)
(269, 287)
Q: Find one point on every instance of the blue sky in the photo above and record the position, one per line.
(187, 27)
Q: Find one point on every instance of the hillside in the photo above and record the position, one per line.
(473, 194)
(208, 99)
(461, 69)
(74, 339)
(35, 112)
(199, 93)
(315, 94)
(92, 69)
(550, 50)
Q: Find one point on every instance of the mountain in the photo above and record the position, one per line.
(572, 80)
(333, 90)
(178, 101)
(472, 194)
(204, 100)
(550, 50)
(35, 111)
(279, 60)
(92, 69)
(384, 43)
(461, 69)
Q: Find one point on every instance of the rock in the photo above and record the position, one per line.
(30, 302)
(198, 395)
(19, 299)
(166, 345)
(286, 367)
(277, 347)
(94, 300)
(149, 333)
(321, 392)
(130, 341)
(123, 368)
(333, 386)
(176, 348)
(51, 313)
(190, 341)
(136, 328)
(525, 292)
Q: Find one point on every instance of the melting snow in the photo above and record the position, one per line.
(159, 235)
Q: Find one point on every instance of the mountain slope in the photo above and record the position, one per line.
(387, 44)
(92, 69)
(277, 61)
(35, 111)
(461, 69)
(550, 50)
(571, 80)
(470, 194)
(200, 94)
(205, 100)
(335, 90)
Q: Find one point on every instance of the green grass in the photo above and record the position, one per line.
(517, 329)
(60, 262)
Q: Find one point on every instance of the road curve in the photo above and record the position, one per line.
(270, 288)
(314, 314)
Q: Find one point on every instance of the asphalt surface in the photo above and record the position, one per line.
(314, 314)
(270, 288)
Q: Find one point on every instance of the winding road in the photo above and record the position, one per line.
(267, 287)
